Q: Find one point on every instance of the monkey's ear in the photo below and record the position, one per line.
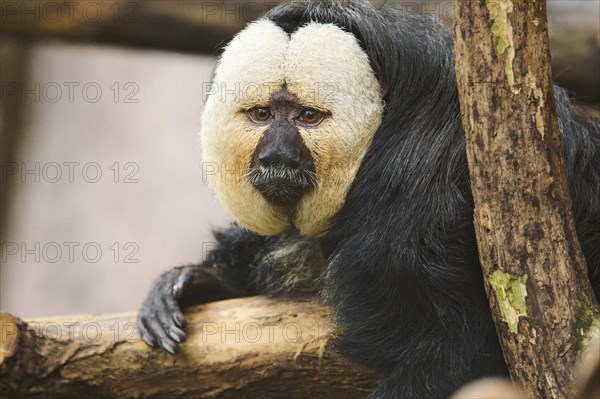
(381, 75)
(384, 86)
(384, 83)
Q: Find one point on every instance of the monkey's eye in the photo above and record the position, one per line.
(311, 117)
(259, 114)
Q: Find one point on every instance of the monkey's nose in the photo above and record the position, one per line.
(272, 155)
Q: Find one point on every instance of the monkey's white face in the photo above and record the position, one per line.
(287, 124)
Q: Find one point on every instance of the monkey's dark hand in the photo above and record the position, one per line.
(160, 319)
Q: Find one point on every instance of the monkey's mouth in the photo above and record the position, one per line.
(282, 185)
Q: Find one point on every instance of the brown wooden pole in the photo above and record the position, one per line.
(535, 273)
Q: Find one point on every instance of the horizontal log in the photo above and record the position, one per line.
(240, 348)
(199, 26)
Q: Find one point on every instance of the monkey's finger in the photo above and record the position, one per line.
(170, 291)
(157, 322)
(175, 311)
(179, 319)
(158, 331)
(169, 326)
(177, 334)
(164, 313)
(144, 333)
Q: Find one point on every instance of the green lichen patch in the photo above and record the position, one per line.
(511, 294)
(502, 29)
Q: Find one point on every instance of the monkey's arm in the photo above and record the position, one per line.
(241, 264)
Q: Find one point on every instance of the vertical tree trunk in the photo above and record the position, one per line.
(535, 273)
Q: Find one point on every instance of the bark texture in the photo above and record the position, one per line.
(535, 272)
(241, 348)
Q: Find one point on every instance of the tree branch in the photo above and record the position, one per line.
(250, 347)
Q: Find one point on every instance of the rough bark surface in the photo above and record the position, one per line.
(535, 272)
(241, 348)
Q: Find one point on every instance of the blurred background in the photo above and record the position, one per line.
(102, 184)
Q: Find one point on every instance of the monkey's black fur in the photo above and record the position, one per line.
(402, 270)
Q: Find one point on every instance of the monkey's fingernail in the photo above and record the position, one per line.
(179, 319)
(149, 341)
(174, 335)
(172, 349)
